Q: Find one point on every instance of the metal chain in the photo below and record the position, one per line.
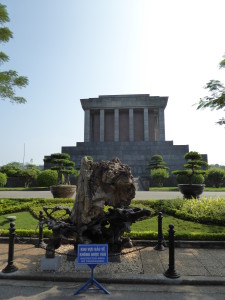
(111, 255)
(70, 255)
(30, 237)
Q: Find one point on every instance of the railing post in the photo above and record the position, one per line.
(11, 267)
(159, 245)
(41, 243)
(171, 272)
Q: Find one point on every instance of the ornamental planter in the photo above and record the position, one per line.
(191, 190)
(63, 191)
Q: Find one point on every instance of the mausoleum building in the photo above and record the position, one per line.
(131, 127)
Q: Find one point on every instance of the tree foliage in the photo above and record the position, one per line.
(9, 80)
(11, 170)
(192, 166)
(47, 178)
(217, 166)
(3, 179)
(157, 162)
(216, 177)
(158, 176)
(216, 99)
(16, 169)
(63, 165)
(30, 173)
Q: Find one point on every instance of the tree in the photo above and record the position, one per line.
(9, 80)
(216, 100)
(193, 166)
(12, 169)
(30, 173)
(158, 176)
(158, 170)
(156, 162)
(216, 177)
(63, 165)
(16, 169)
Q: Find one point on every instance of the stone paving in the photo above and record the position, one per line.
(189, 262)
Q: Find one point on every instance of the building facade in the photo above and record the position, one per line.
(127, 118)
(131, 127)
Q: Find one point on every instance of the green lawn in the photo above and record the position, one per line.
(179, 226)
(24, 220)
(175, 188)
(198, 219)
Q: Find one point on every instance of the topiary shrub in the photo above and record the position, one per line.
(216, 177)
(192, 168)
(184, 179)
(3, 179)
(157, 162)
(158, 176)
(63, 165)
(47, 178)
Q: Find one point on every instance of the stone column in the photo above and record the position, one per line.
(146, 130)
(87, 125)
(102, 125)
(161, 125)
(131, 124)
(116, 125)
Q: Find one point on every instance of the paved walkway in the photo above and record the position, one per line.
(195, 265)
(139, 195)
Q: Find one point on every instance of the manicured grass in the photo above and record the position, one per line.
(160, 189)
(173, 188)
(25, 189)
(24, 220)
(198, 219)
(179, 226)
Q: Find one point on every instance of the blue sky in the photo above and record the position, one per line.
(75, 49)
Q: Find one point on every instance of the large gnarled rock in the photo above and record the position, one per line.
(102, 183)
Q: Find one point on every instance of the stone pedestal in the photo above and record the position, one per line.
(50, 264)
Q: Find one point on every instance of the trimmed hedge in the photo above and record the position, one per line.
(191, 236)
(27, 233)
(205, 211)
(214, 212)
(34, 206)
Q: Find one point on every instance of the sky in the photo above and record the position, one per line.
(74, 49)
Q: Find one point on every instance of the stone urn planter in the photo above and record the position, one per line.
(63, 191)
(191, 190)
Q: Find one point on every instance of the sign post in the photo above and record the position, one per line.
(92, 255)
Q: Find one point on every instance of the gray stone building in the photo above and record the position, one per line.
(131, 127)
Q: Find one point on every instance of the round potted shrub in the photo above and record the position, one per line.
(192, 177)
(47, 178)
(64, 167)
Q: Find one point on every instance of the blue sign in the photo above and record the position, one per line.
(92, 254)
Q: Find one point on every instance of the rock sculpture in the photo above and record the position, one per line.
(100, 183)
